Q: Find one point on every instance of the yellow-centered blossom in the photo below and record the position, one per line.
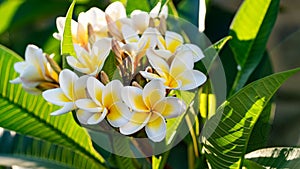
(35, 72)
(104, 101)
(71, 89)
(150, 109)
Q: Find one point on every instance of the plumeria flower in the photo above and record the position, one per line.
(177, 72)
(137, 46)
(104, 101)
(116, 18)
(35, 72)
(94, 17)
(150, 109)
(71, 89)
(173, 42)
(141, 19)
(91, 61)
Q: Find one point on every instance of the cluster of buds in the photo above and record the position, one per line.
(149, 62)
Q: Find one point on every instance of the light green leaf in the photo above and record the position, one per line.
(23, 151)
(132, 5)
(226, 134)
(250, 30)
(277, 157)
(67, 43)
(30, 115)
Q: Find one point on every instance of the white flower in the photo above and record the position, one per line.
(35, 71)
(137, 46)
(150, 108)
(177, 72)
(141, 19)
(71, 89)
(104, 101)
(94, 17)
(90, 62)
(173, 42)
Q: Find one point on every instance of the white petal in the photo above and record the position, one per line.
(118, 115)
(88, 105)
(67, 108)
(95, 89)
(153, 92)
(181, 62)
(165, 54)
(83, 116)
(101, 50)
(20, 67)
(150, 76)
(73, 62)
(133, 98)
(129, 34)
(140, 20)
(97, 117)
(16, 80)
(56, 96)
(116, 11)
(154, 12)
(67, 79)
(137, 122)
(80, 87)
(159, 64)
(173, 40)
(32, 74)
(191, 79)
(156, 128)
(111, 93)
(170, 107)
(196, 52)
(164, 11)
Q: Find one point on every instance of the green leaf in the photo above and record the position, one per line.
(132, 5)
(251, 164)
(8, 10)
(23, 151)
(30, 115)
(211, 53)
(67, 43)
(250, 30)
(277, 157)
(226, 135)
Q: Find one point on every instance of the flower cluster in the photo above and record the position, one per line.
(149, 62)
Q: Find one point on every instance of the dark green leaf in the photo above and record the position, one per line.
(23, 151)
(278, 157)
(226, 135)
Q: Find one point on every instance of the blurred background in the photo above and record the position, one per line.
(33, 22)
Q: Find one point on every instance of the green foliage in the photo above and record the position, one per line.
(30, 152)
(30, 115)
(226, 135)
(277, 157)
(250, 30)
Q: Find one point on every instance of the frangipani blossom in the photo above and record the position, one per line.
(90, 62)
(141, 19)
(35, 72)
(94, 17)
(137, 46)
(173, 42)
(71, 89)
(104, 101)
(150, 109)
(177, 72)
